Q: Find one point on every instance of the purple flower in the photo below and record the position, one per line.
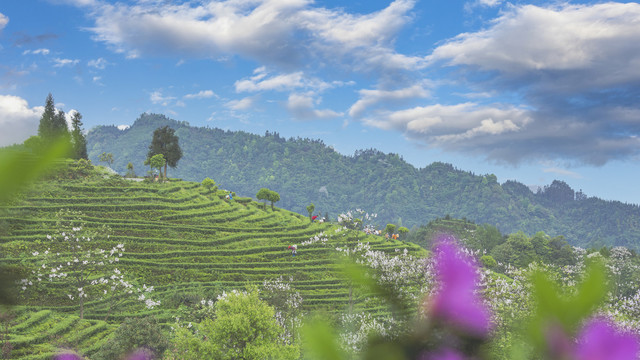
(68, 356)
(141, 354)
(599, 340)
(456, 302)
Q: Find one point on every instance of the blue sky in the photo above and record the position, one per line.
(530, 91)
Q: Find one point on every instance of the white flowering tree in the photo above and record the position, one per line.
(286, 302)
(86, 271)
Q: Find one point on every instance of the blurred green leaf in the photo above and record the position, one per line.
(321, 341)
(20, 168)
(556, 311)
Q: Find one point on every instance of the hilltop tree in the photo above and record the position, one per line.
(310, 209)
(130, 172)
(209, 184)
(45, 128)
(273, 197)
(268, 195)
(263, 194)
(107, 158)
(165, 142)
(53, 125)
(390, 228)
(78, 140)
(158, 162)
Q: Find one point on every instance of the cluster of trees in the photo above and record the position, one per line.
(268, 195)
(309, 171)
(53, 129)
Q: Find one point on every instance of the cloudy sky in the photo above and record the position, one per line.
(531, 91)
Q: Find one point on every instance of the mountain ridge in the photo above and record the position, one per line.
(307, 171)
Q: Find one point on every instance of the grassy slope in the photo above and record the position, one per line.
(178, 238)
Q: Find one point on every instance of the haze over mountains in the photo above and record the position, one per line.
(307, 171)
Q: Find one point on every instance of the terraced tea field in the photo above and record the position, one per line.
(181, 239)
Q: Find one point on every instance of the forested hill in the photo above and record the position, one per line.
(307, 171)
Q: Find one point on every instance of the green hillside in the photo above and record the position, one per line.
(186, 242)
(307, 171)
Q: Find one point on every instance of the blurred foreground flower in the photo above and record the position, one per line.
(457, 302)
(68, 356)
(600, 340)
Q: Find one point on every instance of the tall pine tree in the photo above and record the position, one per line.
(45, 128)
(77, 137)
(165, 142)
(53, 125)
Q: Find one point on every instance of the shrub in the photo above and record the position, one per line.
(133, 335)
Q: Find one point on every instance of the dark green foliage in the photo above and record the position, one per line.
(52, 127)
(134, 334)
(78, 139)
(309, 171)
(390, 229)
(165, 142)
(268, 195)
(46, 128)
(488, 261)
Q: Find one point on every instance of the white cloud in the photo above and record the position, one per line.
(123, 127)
(4, 20)
(64, 62)
(570, 46)
(242, 104)
(369, 98)
(36, 52)
(576, 68)
(284, 82)
(18, 120)
(302, 107)
(99, 63)
(290, 33)
(156, 97)
(453, 126)
(203, 94)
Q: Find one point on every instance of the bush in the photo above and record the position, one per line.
(488, 261)
(133, 335)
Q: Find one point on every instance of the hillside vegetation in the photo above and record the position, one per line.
(186, 241)
(307, 171)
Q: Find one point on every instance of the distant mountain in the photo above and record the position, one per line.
(307, 171)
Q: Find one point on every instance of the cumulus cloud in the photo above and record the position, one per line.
(370, 98)
(4, 20)
(302, 107)
(19, 117)
(99, 63)
(242, 104)
(555, 46)
(36, 52)
(64, 62)
(286, 33)
(156, 97)
(202, 94)
(576, 69)
(260, 81)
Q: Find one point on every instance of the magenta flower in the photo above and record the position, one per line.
(68, 356)
(141, 354)
(456, 302)
(599, 340)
